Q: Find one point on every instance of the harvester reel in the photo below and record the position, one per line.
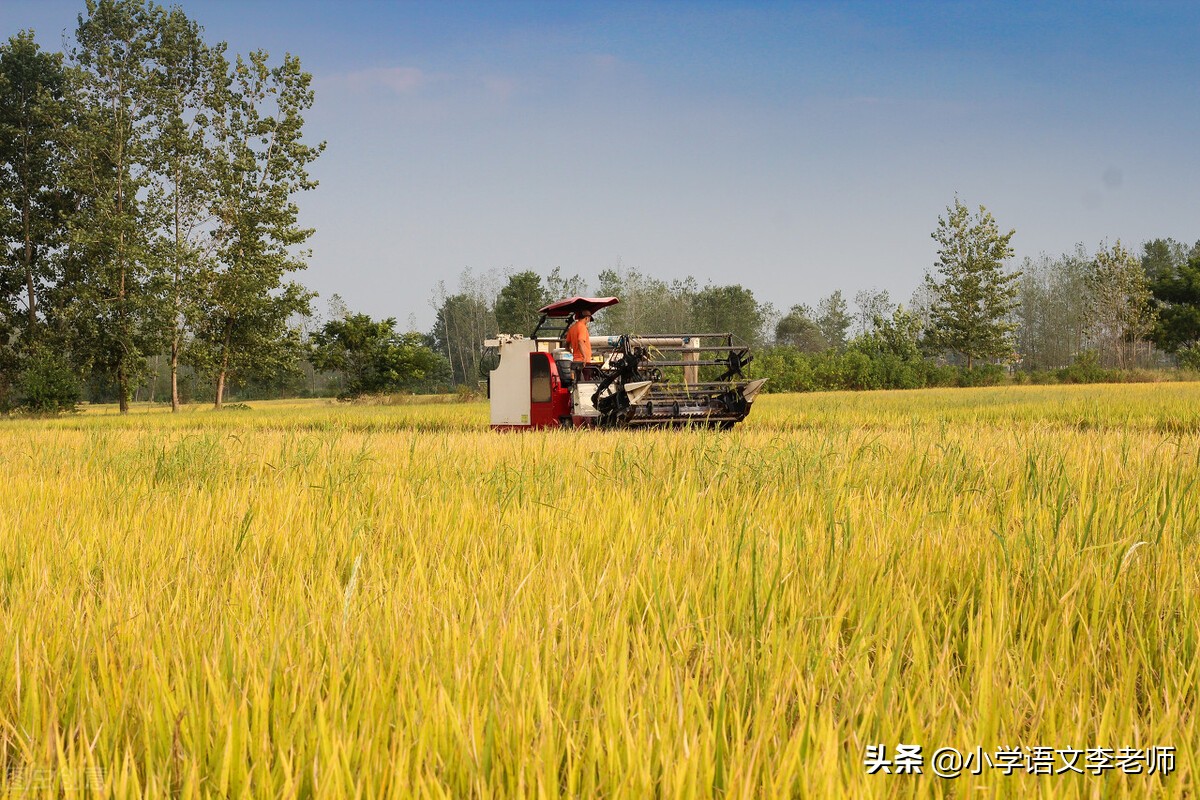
(737, 360)
(610, 398)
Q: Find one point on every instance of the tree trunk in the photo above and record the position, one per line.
(224, 364)
(122, 387)
(175, 372)
(153, 391)
(178, 305)
(122, 376)
(32, 304)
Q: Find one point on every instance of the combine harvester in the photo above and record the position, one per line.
(534, 383)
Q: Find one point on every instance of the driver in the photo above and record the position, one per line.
(579, 340)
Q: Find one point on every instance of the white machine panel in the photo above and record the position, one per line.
(509, 384)
(581, 400)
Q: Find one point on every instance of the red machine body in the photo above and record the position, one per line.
(549, 400)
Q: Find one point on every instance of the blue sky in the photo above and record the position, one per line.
(795, 148)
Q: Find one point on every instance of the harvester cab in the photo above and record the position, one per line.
(632, 380)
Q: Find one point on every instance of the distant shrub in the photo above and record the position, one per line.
(790, 370)
(860, 367)
(1085, 368)
(1144, 376)
(939, 374)
(48, 384)
(787, 370)
(1189, 357)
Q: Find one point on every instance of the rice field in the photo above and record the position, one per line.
(308, 599)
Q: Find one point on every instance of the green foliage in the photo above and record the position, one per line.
(980, 375)
(729, 309)
(898, 336)
(146, 201)
(518, 303)
(648, 305)
(260, 161)
(110, 288)
(32, 204)
(1118, 304)
(797, 329)
(147, 208)
(974, 297)
(463, 321)
(833, 319)
(860, 367)
(48, 384)
(786, 368)
(1085, 368)
(1176, 297)
(1162, 257)
(887, 357)
(1189, 357)
(373, 358)
(186, 91)
(871, 305)
(865, 367)
(560, 287)
(1053, 317)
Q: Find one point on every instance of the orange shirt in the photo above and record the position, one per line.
(580, 341)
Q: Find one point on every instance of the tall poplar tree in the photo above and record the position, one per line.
(260, 161)
(113, 289)
(518, 303)
(1053, 317)
(463, 321)
(32, 86)
(185, 87)
(833, 318)
(974, 296)
(1119, 304)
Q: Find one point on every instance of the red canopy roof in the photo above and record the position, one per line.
(574, 305)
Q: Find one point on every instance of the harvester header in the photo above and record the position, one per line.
(631, 380)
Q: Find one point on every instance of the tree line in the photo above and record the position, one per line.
(973, 319)
(147, 209)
